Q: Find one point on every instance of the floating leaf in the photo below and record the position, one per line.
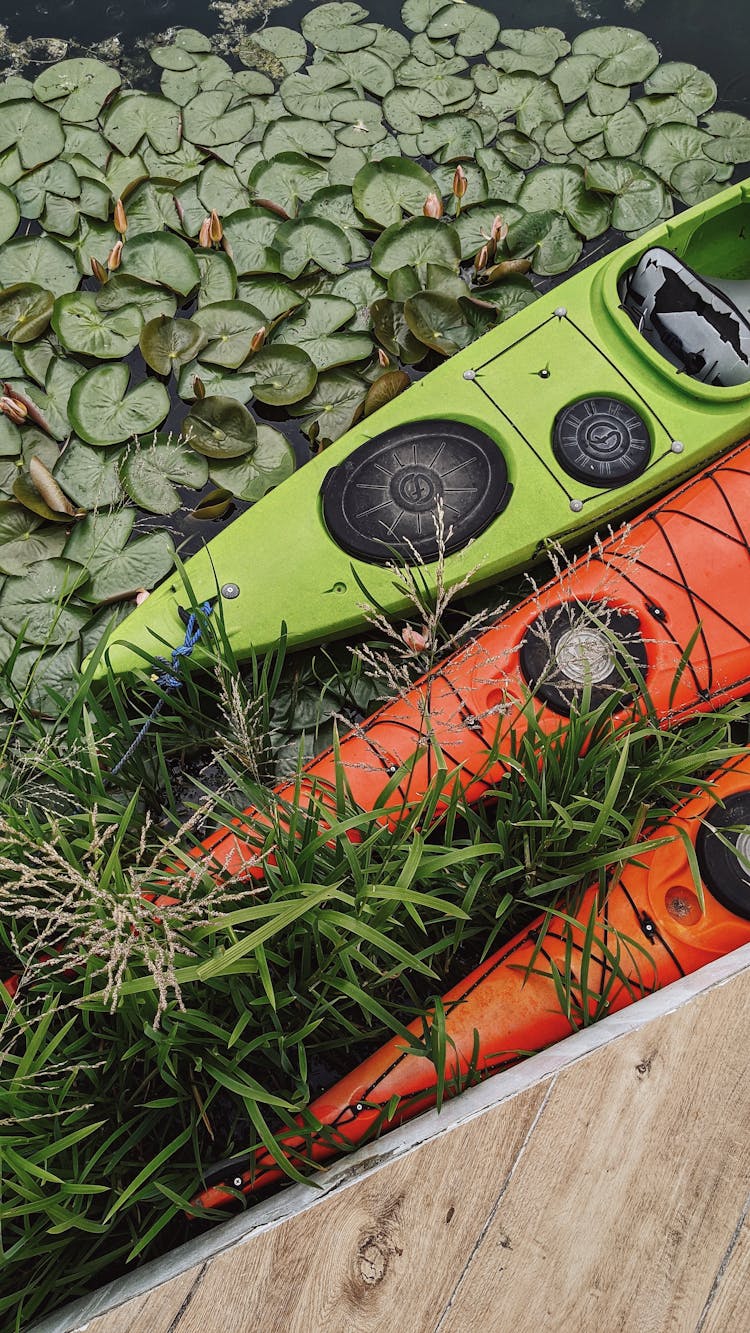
(639, 196)
(605, 99)
(535, 50)
(475, 29)
(160, 258)
(301, 242)
(514, 293)
(218, 277)
(250, 233)
(25, 311)
(38, 603)
(563, 189)
(286, 45)
(668, 146)
(406, 108)
(474, 226)
(9, 214)
(696, 181)
(216, 382)
(573, 76)
(731, 137)
(41, 260)
(82, 326)
(152, 466)
(122, 290)
(33, 130)
(168, 343)
(338, 27)
(393, 333)
(369, 70)
(450, 138)
(691, 86)
(228, 328)
(270, 296)
(438, 321)
(385, 389)
(79, 88)
(315, 327)
(90, 476)
(217, 504)
(102, 412)
(315, 95)
(533, 101)
(207, 119)
(334, 404)
(416, 242)
(48, 406)
(282, 374)
(25, 540)
(383, 191)
(219, 427)
(334, 204)
(293, 134)
(135, 115)
(118, 568)
(249, 478)
(627, 56)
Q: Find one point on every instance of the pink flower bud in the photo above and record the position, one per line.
(413, 639)
(460, 182)
(433, 206)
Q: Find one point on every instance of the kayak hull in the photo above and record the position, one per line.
(278, 563)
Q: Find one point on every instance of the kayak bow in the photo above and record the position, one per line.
(653, 921)
(599, 395)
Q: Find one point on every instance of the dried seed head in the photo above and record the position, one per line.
(460, 182)
(204, 235)
(216, 231)
(258, 339)
(433, 206)
(98, 270)
(120, 218)
(114, 257)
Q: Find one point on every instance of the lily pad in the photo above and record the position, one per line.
(162, 259)
(123, 289)
(333, 406)
(133, 116)
(282, 374)
(563, 189)
(118, 568)
(218, 277)
(25, 540)
(249, 478)
(393, 333)
(250, 234)
(41, 260)
(9, 214)
(691, 86)
(220, 428)
(305, 241)
(573, 76)
(638, 195)
(288, 179)
(168, 343)
(208, 120)
(474, 29)
(152, 466)
(440, 321)
(33, 130)
(315, 329)
(79, 88)
(532, 50)
(668, 146)
(217, 383)
(338, 27)
(315, 95)
(270, 296)
(385, 389)
(730, 140)
(90, 476)
(287, 46)
(627, 56)
(228, 330)
(406, 108)
(81, 326)
(414, 243)
(38, 603)
(25, 311)
(510, 295)
(383, 191)
(102, 411)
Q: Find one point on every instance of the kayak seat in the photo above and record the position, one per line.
(701, 325)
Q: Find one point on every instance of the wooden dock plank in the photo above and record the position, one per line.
(728, 1303)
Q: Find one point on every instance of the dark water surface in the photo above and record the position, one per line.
(713, 34)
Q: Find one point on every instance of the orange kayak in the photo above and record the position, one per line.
(653, 921)
(662, 605)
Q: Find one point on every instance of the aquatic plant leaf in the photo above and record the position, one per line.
(450, 138)
(692, 86)
(9, 214)
(38, 491)
(627, 56)
(41, 260)
(152, 466)
(304, 241)
(287, 179)
(251, 477)
(668, 146)
(696, 181)
(250, 234)
(385, 389)
(272, 297)
(81, 326)
(559, 249)
(624, 131)
(48, 406)
(314, 98)
(293, 134)
(102, 411)
(369, 70)
(314, 328)
(79, 87)
(25, 311)
(604, 99)
(133, 116)
(502, 181)
(286, 47)
(281, 374)
(208, 120)
(38, 603)
(730, 137)
(573, 76)
(163, 260)
(218, 277)
(33, 189)
(216, 382)
(361, 287)
(33, 130)
(639, 196)
(383, 191)
(406, 108)
(25, 539)
(220, 427)
(416, 242)
(393, 333)
(151, 207)
(563, 189)
(90, 476)
(529, 50)
(122, 289)
(475, 29)
(510, 295)
(167, 343)
(10, 438)
(228, 330)
(438, 321)
(338, 27)
(143, 563)
(333, 406)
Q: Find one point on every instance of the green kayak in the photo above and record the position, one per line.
(601, 394)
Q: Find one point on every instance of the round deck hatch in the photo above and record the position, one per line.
(601, 441)
(575, 645)
(723, 851)
(381, 502)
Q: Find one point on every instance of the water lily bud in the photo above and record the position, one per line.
(216, 230)
(141, 596)
(499, 229)
(482, 259)
(258, 339)
(12, 408)
(433, 206)
(98, 270)
(121, 218)
(460, 182)
(115, 256)
(413, 639)
(199, 388)
(204, 235)
(383, 358)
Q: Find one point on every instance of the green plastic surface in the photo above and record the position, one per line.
(289, 570)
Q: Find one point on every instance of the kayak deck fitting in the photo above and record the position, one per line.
(557, 422)
(509, 1006)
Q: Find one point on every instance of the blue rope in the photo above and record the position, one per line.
(169, 679)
